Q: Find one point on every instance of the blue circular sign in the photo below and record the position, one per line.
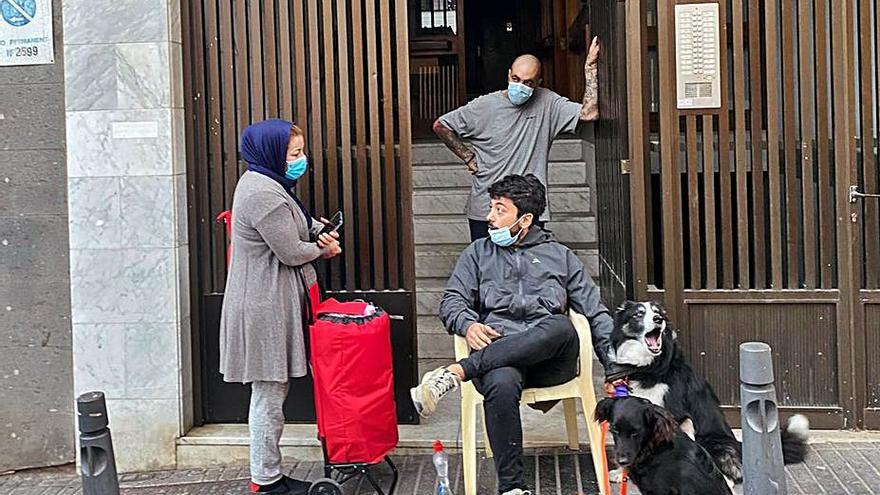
(18, 12)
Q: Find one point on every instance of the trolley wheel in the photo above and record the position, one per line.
(325, 486)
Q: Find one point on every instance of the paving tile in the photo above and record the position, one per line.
(805, 479)
(831, 468)
(860, 467)
(825, 475)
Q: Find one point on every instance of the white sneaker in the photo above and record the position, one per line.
(517, 491)
(435, 384)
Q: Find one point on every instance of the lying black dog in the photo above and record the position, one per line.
(659, 457)
(657, 371)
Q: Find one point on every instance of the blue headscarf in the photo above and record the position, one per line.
(264, 147)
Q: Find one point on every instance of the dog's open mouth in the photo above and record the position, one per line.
(654, 341)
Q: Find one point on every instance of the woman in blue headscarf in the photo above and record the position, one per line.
(274, 241)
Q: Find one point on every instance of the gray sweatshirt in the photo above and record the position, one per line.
(511, 289)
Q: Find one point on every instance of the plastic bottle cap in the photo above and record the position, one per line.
(438, 447)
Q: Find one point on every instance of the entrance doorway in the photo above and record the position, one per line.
(461, 49)
(496, 32)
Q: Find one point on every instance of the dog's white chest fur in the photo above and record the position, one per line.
(655, 394)
(633, 352)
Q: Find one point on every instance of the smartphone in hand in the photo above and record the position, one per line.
(333, 226)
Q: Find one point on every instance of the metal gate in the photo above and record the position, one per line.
(340, 69)
(751, 232)
(607, 19)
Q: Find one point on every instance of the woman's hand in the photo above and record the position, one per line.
(325, 240)
(330, 245)
(332, 251)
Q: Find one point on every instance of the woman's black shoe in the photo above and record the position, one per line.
(284, 486)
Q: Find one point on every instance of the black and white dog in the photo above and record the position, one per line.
(642, 340)
(660, 457)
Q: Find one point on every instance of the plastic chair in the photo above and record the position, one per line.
(579, 388)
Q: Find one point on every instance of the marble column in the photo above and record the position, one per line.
(128, 232)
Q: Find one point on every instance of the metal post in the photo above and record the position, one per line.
(96, 447)
(763, 472)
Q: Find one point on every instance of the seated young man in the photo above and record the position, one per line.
(509, 296)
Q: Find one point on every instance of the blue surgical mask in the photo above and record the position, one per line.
(502, 237)
(518, 93)
(296, 168)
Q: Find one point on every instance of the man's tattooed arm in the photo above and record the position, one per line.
(454, 143)
(590, 108)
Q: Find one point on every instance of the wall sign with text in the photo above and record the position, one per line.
(26, 32)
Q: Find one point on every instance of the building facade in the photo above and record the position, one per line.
(117, 158)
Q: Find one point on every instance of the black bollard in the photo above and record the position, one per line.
(763, 471)
(96, 447)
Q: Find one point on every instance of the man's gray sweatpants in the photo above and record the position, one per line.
(266, 422)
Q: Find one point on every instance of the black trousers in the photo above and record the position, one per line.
(543, 356)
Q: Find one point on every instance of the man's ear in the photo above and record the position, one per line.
(604, 410)
(528, 220)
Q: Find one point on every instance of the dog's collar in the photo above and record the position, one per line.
(621, 388)
(616, 372)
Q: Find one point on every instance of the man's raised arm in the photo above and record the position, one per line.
(590, 108)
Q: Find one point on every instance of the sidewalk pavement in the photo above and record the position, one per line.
(832, 468)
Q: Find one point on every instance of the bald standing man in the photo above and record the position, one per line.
(511, 131)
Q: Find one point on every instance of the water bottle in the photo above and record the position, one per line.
(441, 464)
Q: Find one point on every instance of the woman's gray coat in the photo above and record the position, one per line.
(261, 326)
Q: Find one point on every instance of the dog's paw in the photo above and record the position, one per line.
(615, 475)
(731, 465)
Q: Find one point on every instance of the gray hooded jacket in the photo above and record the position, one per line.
(511, 289)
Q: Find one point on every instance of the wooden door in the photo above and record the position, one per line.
(437, 61)
(860, 188)
(749, 232)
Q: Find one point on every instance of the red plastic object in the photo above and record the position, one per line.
(621, 389)
(226, 218)
(354, 383)
(315, 296)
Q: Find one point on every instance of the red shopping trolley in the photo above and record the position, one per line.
(350, 346)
